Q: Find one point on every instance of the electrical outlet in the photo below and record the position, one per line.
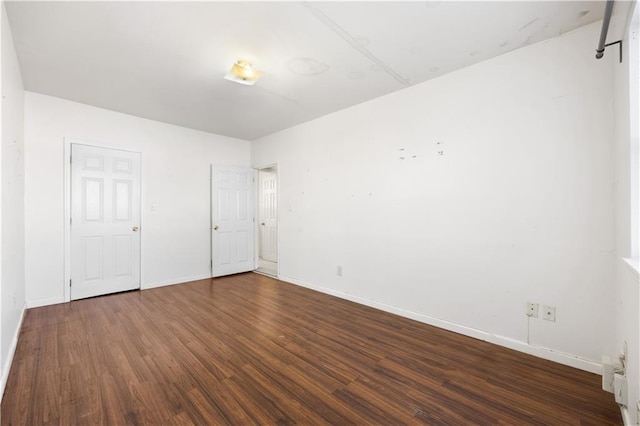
(620, 390)
(549, 313)
(339, 270)
(532, 310)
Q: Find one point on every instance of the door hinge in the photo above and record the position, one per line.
(211, 265)
(70, 283)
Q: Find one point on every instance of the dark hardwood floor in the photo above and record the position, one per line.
(249, 349)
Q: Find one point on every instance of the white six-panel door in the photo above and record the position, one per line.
(268, 214)
(232, 220)
(105, 221)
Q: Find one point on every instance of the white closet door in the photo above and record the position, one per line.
(232, 220)
(105, 221)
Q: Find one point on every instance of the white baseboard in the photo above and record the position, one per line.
(56, 300)
(6, 368)
(540, 352)
(44, 302)
(626, 417)
(182, 280)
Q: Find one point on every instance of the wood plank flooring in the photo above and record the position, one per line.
(249, 349)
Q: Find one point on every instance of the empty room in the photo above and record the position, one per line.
(284, 212)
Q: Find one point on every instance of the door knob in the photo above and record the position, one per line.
(135, 229)
(215, 228)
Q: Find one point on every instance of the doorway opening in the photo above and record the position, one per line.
(268, 221)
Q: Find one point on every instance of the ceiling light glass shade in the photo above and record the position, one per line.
(243, 72)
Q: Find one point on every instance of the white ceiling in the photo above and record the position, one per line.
(165, 60)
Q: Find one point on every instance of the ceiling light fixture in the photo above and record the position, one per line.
(243, 72)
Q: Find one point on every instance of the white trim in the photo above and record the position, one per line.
(211, 221)
(45, 302)
(182, 280)
(540, 352)
(6, 368)
(266, 275)
(631, 46)
(634, 265)
(626, 417)
(67, 218)
(256, 219)
(56, 300)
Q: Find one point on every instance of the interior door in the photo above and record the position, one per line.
(268, 214)
(105, 221)
(232, 220)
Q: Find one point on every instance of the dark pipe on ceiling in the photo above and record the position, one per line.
(605, 28)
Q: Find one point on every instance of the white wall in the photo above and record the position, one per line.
(12, 295)
(175, 175)
(627, 285)
(518, 208)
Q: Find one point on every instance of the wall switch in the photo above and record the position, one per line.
(532, 310)
(549, 313)
(339, 270)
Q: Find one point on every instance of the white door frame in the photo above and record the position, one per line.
(66, 284)
(257, 214)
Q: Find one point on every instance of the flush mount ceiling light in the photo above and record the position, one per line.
(243, 72)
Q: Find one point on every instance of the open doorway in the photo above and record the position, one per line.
(268, 221)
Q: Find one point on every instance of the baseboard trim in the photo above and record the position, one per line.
(520, 346)
(6, 368)
(55, 300)
(44, 302)
(182, 280)
(257, 271)
(626, 418)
